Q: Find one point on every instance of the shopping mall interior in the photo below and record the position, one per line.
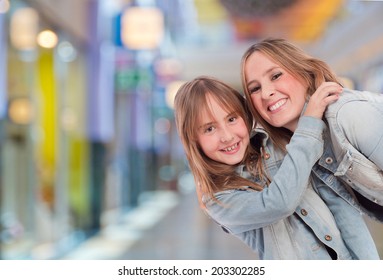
(91, 163)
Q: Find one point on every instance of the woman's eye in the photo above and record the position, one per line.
(254, 89)
(276, 76)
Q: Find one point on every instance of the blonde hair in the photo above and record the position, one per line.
(310, 71)
(211, 176)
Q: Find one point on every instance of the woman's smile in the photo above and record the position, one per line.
(277, 105)
(276, 94)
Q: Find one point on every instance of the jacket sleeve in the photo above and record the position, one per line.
(239, 211)
(362, 125)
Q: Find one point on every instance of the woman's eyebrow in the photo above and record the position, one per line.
(271, 69)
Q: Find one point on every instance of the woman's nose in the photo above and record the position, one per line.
(268, 92)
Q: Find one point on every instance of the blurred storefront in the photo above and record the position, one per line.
(85, 127)
(45, 151)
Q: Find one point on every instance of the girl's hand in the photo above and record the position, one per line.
(326, 93)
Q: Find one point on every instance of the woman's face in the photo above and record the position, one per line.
(277, 96)
(223, 136)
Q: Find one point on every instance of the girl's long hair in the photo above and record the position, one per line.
(211, 176)
(310, 71)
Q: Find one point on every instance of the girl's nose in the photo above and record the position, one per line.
(224, 140)
(226, 136)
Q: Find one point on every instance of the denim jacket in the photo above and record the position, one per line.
(356, 137)
(288, 220)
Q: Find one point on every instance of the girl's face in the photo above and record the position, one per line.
(222, 135)
(277, 96)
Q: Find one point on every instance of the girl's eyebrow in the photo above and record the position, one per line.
(213, 122)
(231, 113)
(205, 124)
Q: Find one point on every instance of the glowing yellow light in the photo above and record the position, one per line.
(23, 28)
(20, 111)
(142, 28)
(47, 39)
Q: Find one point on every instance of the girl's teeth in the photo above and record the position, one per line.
(231, 148)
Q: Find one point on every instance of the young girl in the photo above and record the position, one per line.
(282, 219)
(278, 78)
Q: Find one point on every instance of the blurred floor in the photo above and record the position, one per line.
(166, 226)
(187, 233)
(170, 226)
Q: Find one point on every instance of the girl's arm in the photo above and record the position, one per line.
(362, 124)
(241, 211)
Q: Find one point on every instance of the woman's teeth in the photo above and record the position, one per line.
(277, 105)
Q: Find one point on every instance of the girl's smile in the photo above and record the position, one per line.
(222, 136)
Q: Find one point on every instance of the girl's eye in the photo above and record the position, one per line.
(276, 76)
(208, 129)
(232, 119)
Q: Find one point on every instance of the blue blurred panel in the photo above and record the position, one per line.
(117, 30)
(3, 63)
(100, 82)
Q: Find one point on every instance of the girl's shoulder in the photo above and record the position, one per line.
(351, 100)
(358, 95)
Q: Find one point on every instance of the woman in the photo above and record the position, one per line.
(281, 219)
(278, 78)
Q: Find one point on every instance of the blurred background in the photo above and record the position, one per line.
(91, 165)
